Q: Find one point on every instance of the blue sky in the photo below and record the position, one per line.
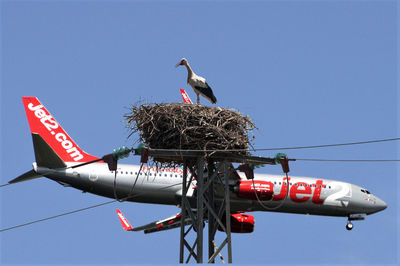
(306, 72)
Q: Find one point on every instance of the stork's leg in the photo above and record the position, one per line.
(198, 98)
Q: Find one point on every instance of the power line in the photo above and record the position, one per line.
(56, 216)
(294, 147)
(330, 145)
(80, 210)
(262, 149)
(346, 160)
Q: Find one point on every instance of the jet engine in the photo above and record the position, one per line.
(246, 189)
(240, 223)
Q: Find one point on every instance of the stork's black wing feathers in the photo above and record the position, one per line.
(207, 93)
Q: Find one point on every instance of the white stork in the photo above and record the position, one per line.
(198, 83)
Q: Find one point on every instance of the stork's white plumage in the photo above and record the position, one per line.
(198, 83)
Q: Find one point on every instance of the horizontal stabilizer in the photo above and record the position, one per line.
(25, 177)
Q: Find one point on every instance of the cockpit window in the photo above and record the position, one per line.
(365, 191)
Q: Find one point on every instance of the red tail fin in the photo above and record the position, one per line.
(41, 122)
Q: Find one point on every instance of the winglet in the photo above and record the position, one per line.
(185, 97)
(125, 224)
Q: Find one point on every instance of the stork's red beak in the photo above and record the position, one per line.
(179, 64)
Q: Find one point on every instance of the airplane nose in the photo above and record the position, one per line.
(380, 205)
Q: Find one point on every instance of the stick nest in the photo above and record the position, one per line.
(190, 127)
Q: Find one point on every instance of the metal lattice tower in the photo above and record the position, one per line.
(211, 172)
(206, 207)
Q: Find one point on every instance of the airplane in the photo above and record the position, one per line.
(60, 159)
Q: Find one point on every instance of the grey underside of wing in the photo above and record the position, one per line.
(144, 227)
(152, 227)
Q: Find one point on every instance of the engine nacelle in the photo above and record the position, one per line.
(240, 223)
(264, 190)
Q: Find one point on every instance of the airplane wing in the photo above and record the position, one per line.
(157, 226)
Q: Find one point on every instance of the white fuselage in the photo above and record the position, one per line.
(306, 195)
